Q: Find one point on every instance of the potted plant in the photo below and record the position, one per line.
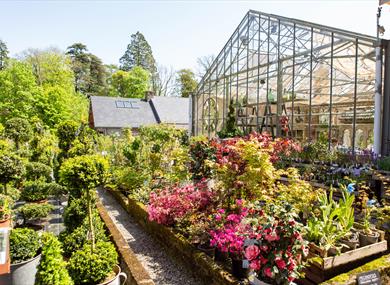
(25, 245)
(52, 267)
(35, 214)
(367, 235)
(35, 191)
(97, 266)
(5, 208)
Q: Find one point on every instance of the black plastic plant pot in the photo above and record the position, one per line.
(237, 270)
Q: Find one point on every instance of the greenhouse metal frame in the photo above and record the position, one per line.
(291, 78)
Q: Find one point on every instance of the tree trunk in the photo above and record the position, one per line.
(92, 232)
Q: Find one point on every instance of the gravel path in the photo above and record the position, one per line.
(162, 269)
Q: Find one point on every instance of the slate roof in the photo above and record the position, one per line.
(117, 112)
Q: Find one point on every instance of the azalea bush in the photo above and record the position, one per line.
(201, 151)
(276, 248)
(169, 205)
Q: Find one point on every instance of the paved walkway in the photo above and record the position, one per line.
(160, 266)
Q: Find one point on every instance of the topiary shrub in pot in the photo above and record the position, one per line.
(35, 191)
(52, 268)
(38, 171)
(34, 213)
(75, 240)
(25, 245)
(88, 267)
(74, 213)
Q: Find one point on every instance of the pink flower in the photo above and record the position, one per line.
(251, 252)
(272, 236)
(255, 265)
(280, 263)
(268, 272)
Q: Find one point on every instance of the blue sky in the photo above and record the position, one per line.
(178, 31)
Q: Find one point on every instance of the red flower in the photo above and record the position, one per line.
(280, 263)
(268, 272)
(255, 265)
(251, 252)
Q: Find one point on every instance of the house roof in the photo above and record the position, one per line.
(172, 110)
(118, 112)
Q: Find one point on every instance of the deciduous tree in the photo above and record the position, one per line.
(186, 82)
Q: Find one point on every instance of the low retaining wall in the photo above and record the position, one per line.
(179, 248)
(381, 264)
(136, 273)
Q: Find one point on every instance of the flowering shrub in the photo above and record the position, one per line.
(201, 151)
(230, 234)
(169, 205)
(277, 247)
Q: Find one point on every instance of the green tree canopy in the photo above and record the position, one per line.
(186, 82)
(138, 53)
(89, 72)
(11, 169)
(131, 84)
(19, 130)
(3, 54)
(18, 91)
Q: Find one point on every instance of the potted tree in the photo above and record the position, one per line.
(97, 260)
(35, 214)
(11, 169)
(25, 245)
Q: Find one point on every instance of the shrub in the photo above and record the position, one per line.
(52, 267)
(67, 133)
(35, 211)
(384, 163)
(201, 151)
(14, 193)
(35, 191)
(73, 241)
(19, 130)
(37, 171)
(75, 213)
(171, 204)
(5, 207)
(11, 169)
(24, 244)
(84, 172)
(91, 267)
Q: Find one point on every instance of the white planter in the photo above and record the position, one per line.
(117, 279)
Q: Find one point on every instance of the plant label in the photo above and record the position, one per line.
(369, 278)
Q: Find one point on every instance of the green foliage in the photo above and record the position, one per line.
(75, 213)
(3, 54)
(89, 71)
(201, 151)
(38, 171)
(24, 244)
(5, 207)
(18, 91)
(34, 191)
(84, 172)
(186, 82)
(67, 133)
(44, 148)
(384, 163)
(52, 268)
(131, 84)
(75, 240)
(32, 211)
(230, 129)
(11, 169)
(19, 130)
(92, 267)
(85, 142)
(138, 53)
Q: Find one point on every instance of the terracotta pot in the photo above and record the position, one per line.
(6, 218)
(367, 239)
(117, 279)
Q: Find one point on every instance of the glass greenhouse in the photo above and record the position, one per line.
(291, 78)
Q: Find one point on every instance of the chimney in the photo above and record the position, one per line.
(148, 95)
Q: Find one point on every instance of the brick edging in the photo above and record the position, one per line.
(136, 273)
(198, 262)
